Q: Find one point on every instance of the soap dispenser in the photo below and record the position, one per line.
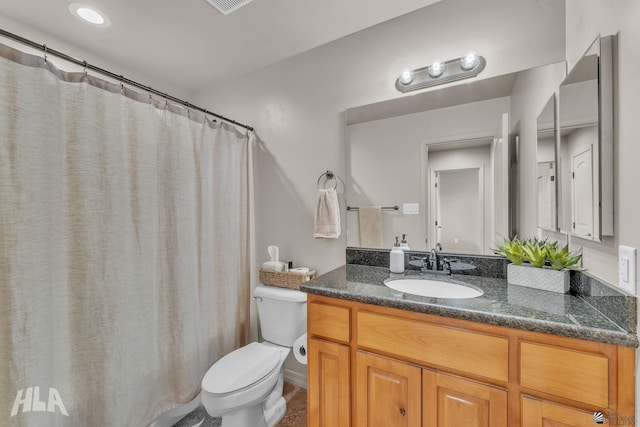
(396, 258)
(403, 243)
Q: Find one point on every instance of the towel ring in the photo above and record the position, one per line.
(328, 176)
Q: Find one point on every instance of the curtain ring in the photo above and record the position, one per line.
(45, 52)
(85, 68)
(121, 84)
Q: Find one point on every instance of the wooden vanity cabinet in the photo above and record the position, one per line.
(378, 366)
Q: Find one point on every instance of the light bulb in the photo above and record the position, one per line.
(406, 76)
(469, 60)
(436, 68)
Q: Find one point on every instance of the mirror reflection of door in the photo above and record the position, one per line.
(546, 195)
(586, 119)
(459, 215)
(582, 192)
(579, 173)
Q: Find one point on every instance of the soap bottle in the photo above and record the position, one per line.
(396, 258)
(403, 243)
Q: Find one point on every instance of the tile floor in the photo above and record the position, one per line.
(296, 415)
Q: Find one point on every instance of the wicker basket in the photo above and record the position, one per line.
(285, 279)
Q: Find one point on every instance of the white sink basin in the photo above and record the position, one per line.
(433, 288)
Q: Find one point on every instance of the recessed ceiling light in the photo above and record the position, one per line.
(89, 14)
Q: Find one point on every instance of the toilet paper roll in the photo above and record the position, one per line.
(300, 349)
(299, 270)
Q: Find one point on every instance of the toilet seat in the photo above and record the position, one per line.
(241, 368)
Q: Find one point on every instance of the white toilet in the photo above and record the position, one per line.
(245, 386)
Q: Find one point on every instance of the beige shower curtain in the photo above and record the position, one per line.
(124, 248)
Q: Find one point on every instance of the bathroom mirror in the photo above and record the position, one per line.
(546, 160)
(586, 144)
(458, 137)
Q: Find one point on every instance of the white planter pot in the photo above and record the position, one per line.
(538, 278)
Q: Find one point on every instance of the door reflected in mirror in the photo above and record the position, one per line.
(458, 185)
(586, 145)
(546, 166)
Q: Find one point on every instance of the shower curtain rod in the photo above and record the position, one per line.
(119, 77)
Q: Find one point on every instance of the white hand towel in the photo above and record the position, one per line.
(327, 216)
(370, 219)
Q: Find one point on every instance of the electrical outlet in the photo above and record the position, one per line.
(627, 268)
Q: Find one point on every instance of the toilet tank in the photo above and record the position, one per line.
(282, 314)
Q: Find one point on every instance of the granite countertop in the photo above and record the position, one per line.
(505, 305)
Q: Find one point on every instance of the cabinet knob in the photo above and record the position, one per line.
(402, 411)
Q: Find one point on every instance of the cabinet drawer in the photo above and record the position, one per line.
(466, 351)
(328, 321)
(566, 373)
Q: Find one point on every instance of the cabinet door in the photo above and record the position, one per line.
(388, 392)
(328, 390)
(537, 413)
(450, 401)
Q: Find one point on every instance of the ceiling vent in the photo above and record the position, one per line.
(228, 6)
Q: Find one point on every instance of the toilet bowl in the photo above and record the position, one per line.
(244, 388)
(242, 380)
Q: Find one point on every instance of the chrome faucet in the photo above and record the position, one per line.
(430, 264)
(433, 260)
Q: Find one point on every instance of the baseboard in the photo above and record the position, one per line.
(295, 378)
(172, 416)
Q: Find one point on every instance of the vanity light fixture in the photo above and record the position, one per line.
(441, 72)
(89, 15)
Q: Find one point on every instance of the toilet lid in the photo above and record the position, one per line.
(241, 368)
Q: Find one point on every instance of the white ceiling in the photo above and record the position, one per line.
(192, 46)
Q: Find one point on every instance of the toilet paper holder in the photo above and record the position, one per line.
(300, 349)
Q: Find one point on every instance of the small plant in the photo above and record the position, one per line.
(559, 259)
(535, 252)
(539, 253)
(511, 250)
